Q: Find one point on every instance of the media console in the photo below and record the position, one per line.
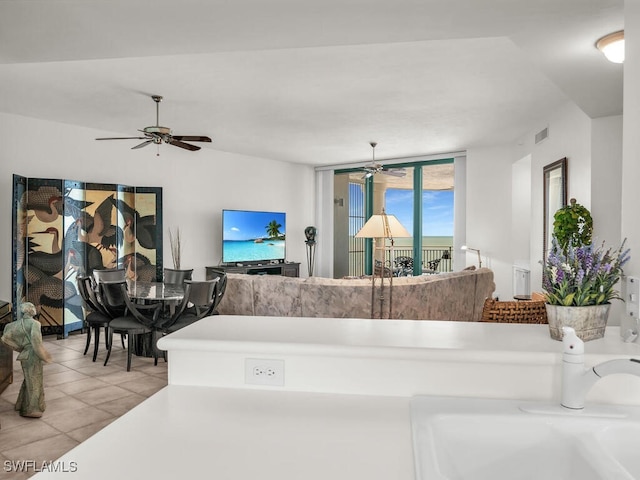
(290, 269)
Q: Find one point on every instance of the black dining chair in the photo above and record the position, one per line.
(221, 276)
(96, 317)
(109, 274)
(134, 320)
(199, 301)
(177, 277)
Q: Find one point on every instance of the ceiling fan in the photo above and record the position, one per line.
(374, 167)
(158, 135)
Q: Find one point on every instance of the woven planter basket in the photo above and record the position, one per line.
(513, 312)
(588, 322)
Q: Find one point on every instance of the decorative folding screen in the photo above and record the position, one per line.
(64, 228)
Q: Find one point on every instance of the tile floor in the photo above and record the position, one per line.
(82, 397)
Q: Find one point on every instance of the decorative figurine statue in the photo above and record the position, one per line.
(311, 232)
(24, 336)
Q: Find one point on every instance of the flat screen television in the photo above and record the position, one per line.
(252, 237)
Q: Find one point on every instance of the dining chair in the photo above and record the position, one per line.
(221, 276)
(96, 317)
(177, 277)
(198, 302)
(134, 320)
(109, 274)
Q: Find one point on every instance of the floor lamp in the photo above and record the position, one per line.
(382, 227)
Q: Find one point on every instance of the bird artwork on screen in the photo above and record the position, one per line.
(65, 228)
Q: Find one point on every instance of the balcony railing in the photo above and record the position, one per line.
(435, 259)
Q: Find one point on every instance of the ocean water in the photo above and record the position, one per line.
(426, 242)
(248, 250)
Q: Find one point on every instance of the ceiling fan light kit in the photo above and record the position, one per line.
(157, 134)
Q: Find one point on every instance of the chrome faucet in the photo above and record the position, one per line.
(578, 380)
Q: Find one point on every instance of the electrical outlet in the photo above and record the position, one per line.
(261, 371)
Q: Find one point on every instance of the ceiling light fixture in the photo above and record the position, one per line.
(612, 46)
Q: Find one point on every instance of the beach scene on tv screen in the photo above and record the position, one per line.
(253, 236)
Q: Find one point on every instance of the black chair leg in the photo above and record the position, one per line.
(96, 342)
(86, 348)
(154, 341)
(110, 345)
(129, 350)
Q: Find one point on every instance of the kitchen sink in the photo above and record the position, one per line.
(487, 439)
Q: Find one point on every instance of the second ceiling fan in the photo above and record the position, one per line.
(374, 167)
(158, 134)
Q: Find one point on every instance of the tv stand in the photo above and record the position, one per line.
(290, 269)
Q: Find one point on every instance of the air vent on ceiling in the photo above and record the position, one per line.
(542, 134)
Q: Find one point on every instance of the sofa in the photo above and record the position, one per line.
(457, 296)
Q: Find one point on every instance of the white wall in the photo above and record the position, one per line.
(496, 218)
(459, 212)
(196, 185)
(489, 213)
(606, 175)
(606, 190)
(521, 211)
(630, 217)
(631, 143)
(569, 136)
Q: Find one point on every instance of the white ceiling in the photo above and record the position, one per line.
(310, 81)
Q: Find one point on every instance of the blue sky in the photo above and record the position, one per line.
(243, 225)
(437, 210)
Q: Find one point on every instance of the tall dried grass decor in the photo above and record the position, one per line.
(176, 247)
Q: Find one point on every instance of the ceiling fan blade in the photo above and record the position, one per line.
(396, 172)
(191, 138)
(180, 144)
(121, 138)
(143, 144)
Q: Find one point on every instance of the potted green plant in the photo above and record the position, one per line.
(580, 283)
(572, 225)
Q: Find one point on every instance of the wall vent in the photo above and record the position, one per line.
(542, 134)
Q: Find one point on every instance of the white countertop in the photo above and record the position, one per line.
(358, 337)
(389, 357)
(203, 432)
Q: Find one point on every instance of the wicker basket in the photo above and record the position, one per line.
(514, 312)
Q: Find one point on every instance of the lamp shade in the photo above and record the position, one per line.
(383, 226)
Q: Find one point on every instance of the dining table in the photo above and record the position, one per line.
(149, 292)
(169, 294)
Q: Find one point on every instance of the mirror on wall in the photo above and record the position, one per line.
(555, 197)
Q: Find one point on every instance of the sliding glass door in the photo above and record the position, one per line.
(420, 195)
